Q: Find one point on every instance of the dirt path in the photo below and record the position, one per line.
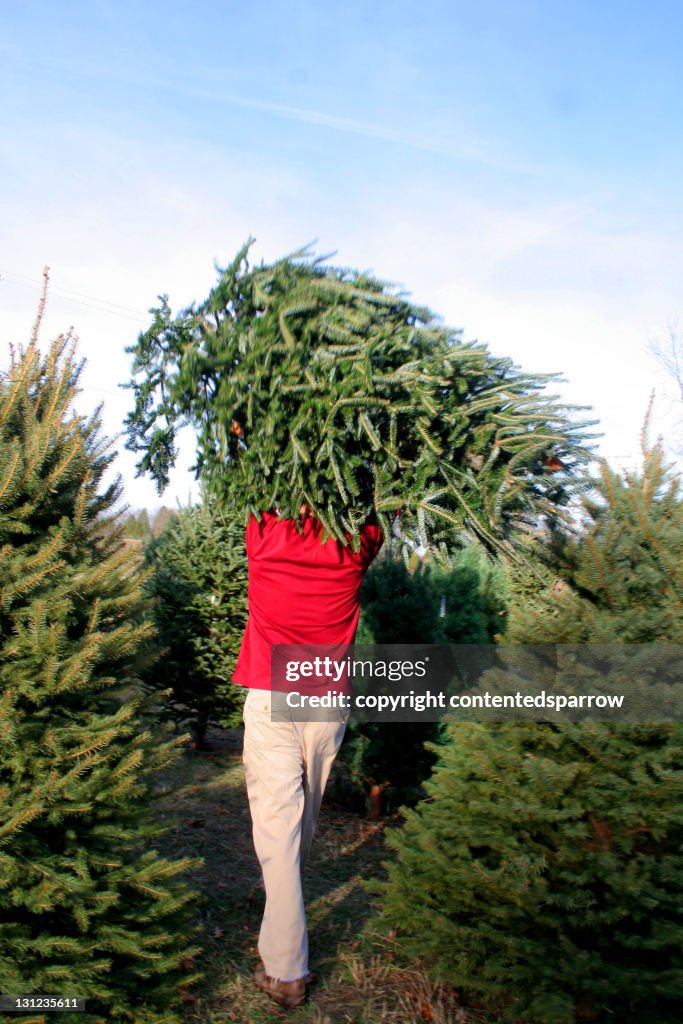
(360, 981)
(210, 818)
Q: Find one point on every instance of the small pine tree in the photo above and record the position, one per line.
(388, 762)
(199, 586)
(472, 598)
(87, 905)
(136, 526)
(399, 606)
(619, 578)
(544, 873)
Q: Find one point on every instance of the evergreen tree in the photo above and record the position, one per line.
(472, 598)
(619, 577)
(136, 526)
(399, 606)
(544, 873)
(199, 586)
(310, 384)
(386, 762)
(87, 905)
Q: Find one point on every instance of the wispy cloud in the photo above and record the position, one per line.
(463, 149)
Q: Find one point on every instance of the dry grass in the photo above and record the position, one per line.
(209, 816)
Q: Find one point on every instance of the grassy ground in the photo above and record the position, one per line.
(210, 818)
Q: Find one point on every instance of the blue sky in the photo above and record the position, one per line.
(516, 166)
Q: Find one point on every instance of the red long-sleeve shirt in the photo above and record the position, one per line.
(300, 590)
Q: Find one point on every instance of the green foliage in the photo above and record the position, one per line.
(399, 606)
(199, 587)
(310, 384)
(473, 598)
(544, 872)
(620, 577)
(88, 907)
(462, 605)
(136, 526)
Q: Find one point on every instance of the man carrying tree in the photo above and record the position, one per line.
(316, 386)
(300, 591)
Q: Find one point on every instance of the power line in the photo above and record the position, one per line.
(70, 291)
(25, 282)
(104, 305)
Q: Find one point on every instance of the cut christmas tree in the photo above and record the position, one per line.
(308, 384)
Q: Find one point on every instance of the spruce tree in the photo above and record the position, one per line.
(88, 907)
(137, 526)
(310, 384)
(399, 606)
(473, 597)
(388, 762)
(618, 578)
(199, 587)
(544, 873)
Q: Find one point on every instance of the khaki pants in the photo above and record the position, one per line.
(286, 767)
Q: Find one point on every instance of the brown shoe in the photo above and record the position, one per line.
(286, 993)
(309, 978)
